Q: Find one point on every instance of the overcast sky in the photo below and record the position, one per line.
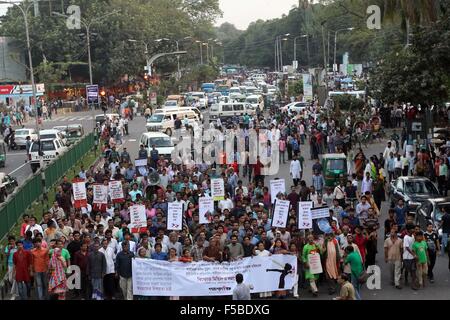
(242, 12)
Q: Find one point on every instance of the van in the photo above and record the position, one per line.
(256, 101)
(163, 120)
(228, 110)
(162, 142)
(196, 110)
(52, 134)
(50, 149)
(201, 97)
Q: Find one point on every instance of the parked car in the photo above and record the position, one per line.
(7, 186)
(431, 211)
(413, 191)
(21, 135)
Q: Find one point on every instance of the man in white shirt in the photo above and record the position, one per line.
(226, 203)
(108, 279)
(387, 151)
(366, 184)
(409, 260)
(362, 210)
(33, 226)
(295, 170)
(398, 166)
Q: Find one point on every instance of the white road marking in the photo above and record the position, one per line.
(132, 140)
(17, 169)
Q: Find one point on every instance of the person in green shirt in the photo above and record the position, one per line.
(420, 250)
(354, 260)
(310, 248)
(64, 253)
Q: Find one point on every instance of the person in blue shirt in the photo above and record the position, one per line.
(158, 254)
(133, 193)
(390, 166)
(400, 213)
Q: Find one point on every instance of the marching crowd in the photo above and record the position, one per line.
(102, 243)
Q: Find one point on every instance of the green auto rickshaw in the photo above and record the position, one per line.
(334, 168)
(3, 149)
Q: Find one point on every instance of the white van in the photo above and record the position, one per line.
(50, 148)
(162, 142)
(227, 110)
(196, 110)
(163, 120)
(256, 101)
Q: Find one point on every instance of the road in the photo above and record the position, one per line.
(437, 291)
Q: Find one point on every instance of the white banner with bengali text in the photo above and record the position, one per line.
(100, 194)
(217, 189)
(277, 186)
(163, 278)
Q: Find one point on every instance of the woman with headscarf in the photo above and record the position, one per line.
(360, 161)
(57, 284)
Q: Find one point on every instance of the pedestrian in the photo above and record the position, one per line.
(123, 270)
(310, 248)
(409, 257)
(295, 170)
(356, 266)
(57, 284)
(393, 257)
(96, 270)
(347, 290)
(432, 239)
(22, 260)
(241, 291)
(40, 261)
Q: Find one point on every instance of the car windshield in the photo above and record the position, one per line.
(22, 132)
(156, 118)
(48, 136)
(161, 142)
(74, 134)
(421, 187)
(198, 95)
(336, 164)
(171, 104)
(46, 146)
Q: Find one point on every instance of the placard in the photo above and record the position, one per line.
(100, 194)
(174, 216)
(140, 163)
(315, 265)
(304, 215)
(79, 193)
(322, 212)
(205, 209)
(217, 189)
(280, 213)
(138, 218)
(116, 191)
(164, 278)
(277, 186)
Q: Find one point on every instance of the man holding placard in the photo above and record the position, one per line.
(313, 267)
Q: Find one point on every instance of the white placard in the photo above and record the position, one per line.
(315, 265)
(304, 215)
(163, 278)
(205, 209)
(322, 212)
(277, 186)
(174, 216)
(115, 190)
(217, 189)
(140, 163)
(100, 194)
(79, 191)
(138, 218)
(280, 213)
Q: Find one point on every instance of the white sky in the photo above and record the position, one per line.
(242, 12)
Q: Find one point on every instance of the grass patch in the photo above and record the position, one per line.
(39, 207)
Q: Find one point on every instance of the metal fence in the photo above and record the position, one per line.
(33, 187)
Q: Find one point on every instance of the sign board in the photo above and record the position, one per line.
(304, 215)
(174, 216)
(100, 194)
(315, 265)
(153, 98)
(295, 64)
(92, 94)
(24, 89)
(277, 186)
(205, 209)
(79, 193)
(217, 189)
(116, 191)
(416, 126)
(140, 163)
(307, 87)
(318, 213)
(138, 218)
(280, 213)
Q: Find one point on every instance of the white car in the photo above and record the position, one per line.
(298, 107)
(20, 136)
(201, 97)
(162, 142)
(50, 149)
(52, 134)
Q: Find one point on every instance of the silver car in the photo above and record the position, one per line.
(22, 134)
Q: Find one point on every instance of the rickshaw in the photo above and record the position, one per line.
(2, 154)
(334, 168)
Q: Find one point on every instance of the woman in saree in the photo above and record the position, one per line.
(360, 160)
(57, 284)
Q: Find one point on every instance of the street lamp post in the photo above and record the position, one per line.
(295, 44)
(335, 42)
(87, 25)
(147, 58)
(279, 51)
(201, 50)
(178, 49)
(206, 44)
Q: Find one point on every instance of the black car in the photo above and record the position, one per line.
(431, 211)
(413, 191)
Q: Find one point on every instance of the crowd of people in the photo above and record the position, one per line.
(100, 241)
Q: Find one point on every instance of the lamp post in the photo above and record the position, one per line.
(335, 42)
(87, 25)
(178, 49)
(206, 44)
(201, 50)
(279, 51)
(147, 58)
(295, 45)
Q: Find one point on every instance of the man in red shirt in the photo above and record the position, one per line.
(257, 171)
(22, 268)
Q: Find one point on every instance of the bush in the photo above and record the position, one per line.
(348, 102)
